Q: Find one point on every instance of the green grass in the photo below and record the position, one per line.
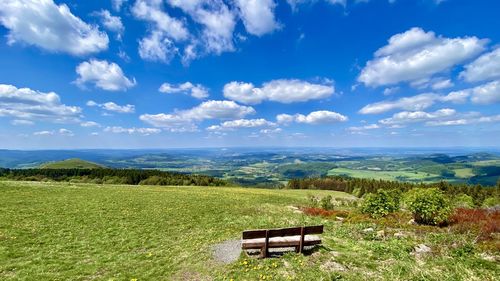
(61, 231)
(464, 173)
(383, 175)
(74, 163)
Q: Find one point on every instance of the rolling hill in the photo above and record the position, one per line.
(74, 163)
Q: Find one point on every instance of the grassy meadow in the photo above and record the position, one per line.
(63, 231)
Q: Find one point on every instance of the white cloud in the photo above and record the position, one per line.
(417, 102)
(185, 120)
(66, 132)
(416, 54)
(111, 106)
(284, 91)
(218, 23)
(196, 91)
(419, 116)
(241, 123)
(364, 128)
(270, 131)
(315, 117)
(51, 27)
(486, 94)
(132, 131)
(117, 4)
(486, 67)
(22, 122)
(112, 23)
(105, 75)
(159, 44)
(89, 124)
(43, 133)
(152, 11)
(28, 104)
(62, 132)
(390, 91)
(442, 84)
(157, 47)
(258, 16)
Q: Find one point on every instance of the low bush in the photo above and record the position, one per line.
(381, 203)
(326, 203)
(491, 202)
(482, 221)
(323, 213)
(463, 201)
(428, 206)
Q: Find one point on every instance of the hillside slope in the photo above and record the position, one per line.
(73, 163)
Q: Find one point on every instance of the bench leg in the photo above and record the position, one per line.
(263, 252)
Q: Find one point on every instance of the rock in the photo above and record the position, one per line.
(298, 212)
(331, 266)
(412, 221)
(380, 233)
(339, 218)
(487, 257)
(422, 249)
(292, 207)
(367, 230)
(399, 235)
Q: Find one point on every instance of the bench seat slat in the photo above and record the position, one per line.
(280, 232)
(277, 242)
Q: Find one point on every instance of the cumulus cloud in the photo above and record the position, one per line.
(196, 91)
(442, 117)
(185, 120)
(241, 123)
(62, 132)
(132, 131)
(89, 124)
(111, 23)
(27, 104)
(488, 93)
(22, 122)
(51, 27)
(217, 19)
(414, 103)
(418, 116)
(486, 67)
(258, 16)
(105, 75)
(165, 30)
(315, 117)
(416, 54)
(117, 4)
(283, 90)
(364, 128)
(442, 84)
(111, 106)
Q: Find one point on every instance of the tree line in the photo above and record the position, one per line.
(359, 187)
(111, 176)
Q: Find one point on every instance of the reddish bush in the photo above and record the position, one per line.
(483, 221)
(323, 213)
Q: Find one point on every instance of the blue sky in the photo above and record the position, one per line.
(214, 73)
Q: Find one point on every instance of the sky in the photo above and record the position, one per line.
(249, 73)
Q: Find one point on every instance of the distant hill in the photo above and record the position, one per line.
(73, 163)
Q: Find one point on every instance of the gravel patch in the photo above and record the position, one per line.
(227, 252)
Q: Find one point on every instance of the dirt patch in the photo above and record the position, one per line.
(227, 252)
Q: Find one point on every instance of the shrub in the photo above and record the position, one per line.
(428, 206)
(381, 204)
(491, 202)
(482, 221)
(326, 203)
(463, 201)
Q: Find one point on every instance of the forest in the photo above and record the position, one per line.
(111, 176)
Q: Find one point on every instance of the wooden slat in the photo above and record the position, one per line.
(279, 244)
(281, 232)
(301, 244)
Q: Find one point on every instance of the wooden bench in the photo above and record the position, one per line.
(297, 237)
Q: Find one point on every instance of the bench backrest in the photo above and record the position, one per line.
(282, 232)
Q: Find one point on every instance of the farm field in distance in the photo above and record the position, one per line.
(63, 231)
(274, 167)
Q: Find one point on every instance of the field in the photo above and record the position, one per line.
(51, 231)
(383, 175)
